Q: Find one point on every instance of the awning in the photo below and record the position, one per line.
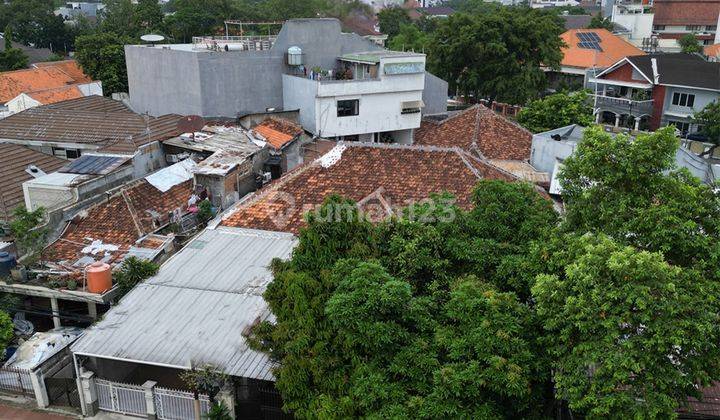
(413, 104)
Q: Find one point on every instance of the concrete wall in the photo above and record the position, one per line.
(435, 94)
(300, 93)
(702, 99)
(148, 159)
(170, 79)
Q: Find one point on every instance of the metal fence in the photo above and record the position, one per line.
(173, 404)
(170, 404)
(16, 380)
(121, 398)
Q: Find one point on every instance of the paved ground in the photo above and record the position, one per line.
(15, 413)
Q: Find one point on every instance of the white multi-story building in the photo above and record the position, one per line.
(378, 98)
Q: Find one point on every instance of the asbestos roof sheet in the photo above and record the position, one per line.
(94, 164)
(197, 306)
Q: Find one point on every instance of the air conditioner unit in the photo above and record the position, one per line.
(267, 177)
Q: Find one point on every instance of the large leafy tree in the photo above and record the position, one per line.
(690, 44)
(12, 58)
(709, 119)
(391, 20)
(410, 38)
(34, 23)
(630, 190)
(630, 335)
(394, 321)
(558, 110)
(497, 55)
(102, 57)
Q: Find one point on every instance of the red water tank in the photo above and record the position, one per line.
(99, 277)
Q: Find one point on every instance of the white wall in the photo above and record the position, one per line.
(300, 93)
(21, 103)
(89, 89)
(639, 24)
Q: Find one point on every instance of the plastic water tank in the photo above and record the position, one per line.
(7, 262)
(99, 277)
(295, 56)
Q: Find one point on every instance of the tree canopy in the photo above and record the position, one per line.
(497, 55)
(709, 119)
(102, 57)
(557, 110)
(689, 43)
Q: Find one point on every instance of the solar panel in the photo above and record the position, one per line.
(590, 45)
(588, 37)
(93, 165)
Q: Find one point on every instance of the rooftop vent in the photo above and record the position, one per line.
(34, 171)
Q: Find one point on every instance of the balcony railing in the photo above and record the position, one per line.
(233, 43)
(624, 105)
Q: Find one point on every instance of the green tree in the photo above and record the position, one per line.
(26, 228)
(497, 55)
(148, 16)
(132, 272)
(6, 331)
(12, 58)
(630, 335)
(598, 22)
(384, 321)
(689, 43)
(630, 190)
(409, 38)
(118, 18)
(391, 20)
(35, 24)
(102, 57)
(558, 110)
(709, 119)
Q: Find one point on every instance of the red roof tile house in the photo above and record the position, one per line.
(485, 134)
(380, 178)
(112, 228)
(45, 83)
(285, 139)
(675, 18)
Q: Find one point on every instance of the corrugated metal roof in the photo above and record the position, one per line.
(197, 306)
(94, 165)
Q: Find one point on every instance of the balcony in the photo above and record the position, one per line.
(624, 106)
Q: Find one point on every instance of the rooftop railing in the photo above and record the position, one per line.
(233, 43)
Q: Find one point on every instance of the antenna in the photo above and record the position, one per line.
(152, 39)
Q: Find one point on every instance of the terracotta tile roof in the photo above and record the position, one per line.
(613, 47)
(392, 175)
(44, 76)
(94, 120)
(14, 160)
(480, 130)
(712, 50)
(70, 67)
(51, 96)
(131, 213)
(686, 12)
(278, 132)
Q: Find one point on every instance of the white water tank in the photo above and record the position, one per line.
(295, 56)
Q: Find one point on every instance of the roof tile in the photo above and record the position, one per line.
(613, 47)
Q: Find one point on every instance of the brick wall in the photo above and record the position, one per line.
(658, 94)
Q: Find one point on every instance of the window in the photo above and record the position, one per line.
(659, 28)
(66, 153)
(694, 28)
(348, 108)
(711, 28)
(682, 126)
(683, 99)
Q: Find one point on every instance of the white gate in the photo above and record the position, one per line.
(172, 404)
(121, 398)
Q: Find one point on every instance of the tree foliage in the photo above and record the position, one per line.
(132, 272)
(689, 43)
(598, 22)
(709, 119)
(555, 111)
(392, 19)
(630, 335)
(497, 55)
(630, 190)
(102, 57)
(6, 331)
(35, 24)
(12, 58)
(404, 319)
(26, 227)
(410, 38)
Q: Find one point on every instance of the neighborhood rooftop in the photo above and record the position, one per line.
(197, 308)
(674, 69)
(392, 174)
(94, 120)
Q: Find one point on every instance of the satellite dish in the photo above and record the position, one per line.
(152, 38)
(191, 124)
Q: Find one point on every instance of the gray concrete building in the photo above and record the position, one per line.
(232, 76)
